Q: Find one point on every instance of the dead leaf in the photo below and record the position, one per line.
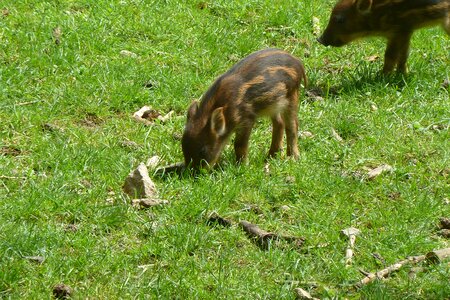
(5, 12)
(128, 53)
(315, 94)
(47, 127)
(446, 83)
(336, 136)
(305, 135)
(302, 294)
(267, 169)
(146, 203)
(71, 228)
(445, 233)
(153, 162)
(129, 144)
(57, 33)
(373, 173)
(35, 259)
(148, 115)
(166, 117)
(373, 58)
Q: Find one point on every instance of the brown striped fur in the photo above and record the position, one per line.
(265, 83)
(395, 20)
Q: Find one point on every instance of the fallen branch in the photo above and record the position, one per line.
(263, 238)
(387, 271)
(214, 219)
(431, 257)
(437, 256)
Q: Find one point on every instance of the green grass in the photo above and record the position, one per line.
(65, 113)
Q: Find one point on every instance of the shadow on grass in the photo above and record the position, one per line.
(364, 77)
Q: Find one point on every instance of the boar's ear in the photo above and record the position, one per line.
(218, 121)
(364, 6)
(192, 110)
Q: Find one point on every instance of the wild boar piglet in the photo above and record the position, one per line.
(265, 83)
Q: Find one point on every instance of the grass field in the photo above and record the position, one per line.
(68, 140)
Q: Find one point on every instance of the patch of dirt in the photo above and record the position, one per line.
(62, 291)
(5, 12)
(91, 120)
(10, 151)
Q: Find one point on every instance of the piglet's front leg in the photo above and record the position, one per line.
(397, 52)
(241, 142)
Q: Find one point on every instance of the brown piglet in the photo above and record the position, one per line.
(265, 83)
(395, 20)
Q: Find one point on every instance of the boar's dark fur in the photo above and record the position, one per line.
(395, 20)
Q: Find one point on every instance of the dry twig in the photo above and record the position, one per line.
(351, 234)
(431, 257)
(263, 238)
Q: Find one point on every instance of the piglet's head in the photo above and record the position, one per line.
(202, 140)
(347, 22)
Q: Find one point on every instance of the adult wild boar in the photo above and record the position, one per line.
(395, 20)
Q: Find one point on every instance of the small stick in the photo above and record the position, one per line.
(302, 294)
(387, 271)
(214, 218)
(28, 102)
(351, 234)
(263, 238)
(12, 177)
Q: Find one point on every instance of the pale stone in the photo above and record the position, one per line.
(138, 184)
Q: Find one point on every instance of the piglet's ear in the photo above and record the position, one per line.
(192, 110)
(364, 6)
(218, 121)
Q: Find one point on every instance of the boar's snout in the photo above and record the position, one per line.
(326, 40)
(320, 40)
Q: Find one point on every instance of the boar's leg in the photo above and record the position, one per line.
(277, 134)
(291, 124)
(241, 142)
(396, 53)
